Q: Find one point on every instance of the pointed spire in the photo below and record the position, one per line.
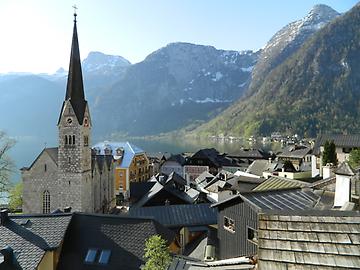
(75, 87)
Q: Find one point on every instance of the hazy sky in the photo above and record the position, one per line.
(36, 34)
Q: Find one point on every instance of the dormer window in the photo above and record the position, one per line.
(119, 151)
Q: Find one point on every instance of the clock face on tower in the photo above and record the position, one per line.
(69, 120)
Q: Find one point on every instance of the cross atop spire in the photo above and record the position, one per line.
(75, 8)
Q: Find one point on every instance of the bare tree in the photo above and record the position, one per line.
(6, 164)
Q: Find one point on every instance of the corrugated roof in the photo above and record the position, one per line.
(276, 183)
(179, 215)
(130, 150)
(305, 240)
(285, 200)
(293, 199)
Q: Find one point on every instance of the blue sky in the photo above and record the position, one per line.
(36, 34)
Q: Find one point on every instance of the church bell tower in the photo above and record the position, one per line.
(74, 155)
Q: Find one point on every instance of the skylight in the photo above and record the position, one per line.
(91, 256)
(97, 256)
(104, 256)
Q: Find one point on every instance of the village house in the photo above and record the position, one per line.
(169, 190)
(238, 217)
(77, 241)
(343, 143)
(130, 164)
(188, 221)
(175, 163)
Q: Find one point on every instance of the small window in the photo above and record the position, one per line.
(73, 139)
(104, 256)
(91, 256)
(252, 235)
(229, 224)
(45, 168)
(66, 140)
(86, 141)
(46, 202)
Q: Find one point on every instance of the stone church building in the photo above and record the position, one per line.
(70, 175)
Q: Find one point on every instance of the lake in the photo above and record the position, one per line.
(28, 148)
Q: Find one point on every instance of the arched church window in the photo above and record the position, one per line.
(73, 139)
(66, 139)
(46, 202)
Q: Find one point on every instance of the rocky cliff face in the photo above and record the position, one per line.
(314, 90)
(288, 40)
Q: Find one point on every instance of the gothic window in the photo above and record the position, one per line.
(66, 139)
(46, 202)
(73, 139)
(86, 140)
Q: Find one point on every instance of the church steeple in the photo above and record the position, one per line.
(75, 88)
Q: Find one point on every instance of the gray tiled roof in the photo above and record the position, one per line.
(319, 240)
(188, 195)
(178, 215)
(294, 151)
(344, 169)
(37, 234)
(340, 140)
(124, 236)
(257, 167)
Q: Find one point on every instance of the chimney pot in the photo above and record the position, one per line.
(4, 217)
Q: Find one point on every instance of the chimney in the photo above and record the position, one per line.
(4, 217)
(8, 255)
(328, 170)
(344, 173)
(67, 209)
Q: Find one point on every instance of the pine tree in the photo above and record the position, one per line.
(157, 254)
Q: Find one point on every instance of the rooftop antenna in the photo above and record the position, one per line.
(75, 8)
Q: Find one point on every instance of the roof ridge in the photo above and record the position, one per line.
(132, 150)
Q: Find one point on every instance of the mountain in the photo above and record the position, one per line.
(175, 86)
(316, 89)
(100, 63)
(288, 40)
